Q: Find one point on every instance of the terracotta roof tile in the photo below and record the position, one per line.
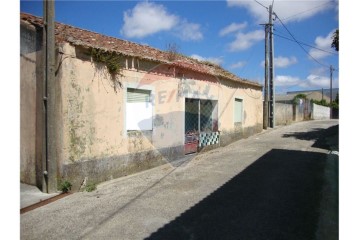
(77, 36)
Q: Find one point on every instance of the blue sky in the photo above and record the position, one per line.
(225, 32)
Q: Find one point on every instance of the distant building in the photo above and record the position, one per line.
(316, 94)
(310, 94)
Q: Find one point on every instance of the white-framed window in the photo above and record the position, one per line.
(238, 110)
(139, 110)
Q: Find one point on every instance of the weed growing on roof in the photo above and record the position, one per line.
(172, 51)
(110, 59)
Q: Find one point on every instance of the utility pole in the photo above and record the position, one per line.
(50, 161)
(271, 70)
(265, 106)
(331, 91)
(268, 110)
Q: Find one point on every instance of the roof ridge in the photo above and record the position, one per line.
(91, 31)
(72, 34)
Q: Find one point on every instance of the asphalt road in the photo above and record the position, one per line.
(268, 186)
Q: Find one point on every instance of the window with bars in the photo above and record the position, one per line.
(138, 109)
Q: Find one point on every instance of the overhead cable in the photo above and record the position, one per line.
(334, 53)
(300, 45)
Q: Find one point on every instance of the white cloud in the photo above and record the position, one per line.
(237, 65)
(320, 77)
(215, 60)
(189, 31)
(282, 62)
(310, 82)
(148, 18)
(322, 43)
(318, 81)
(233, 27)
(319, 71)
(285, 9)
(244, 41)
(286, 81)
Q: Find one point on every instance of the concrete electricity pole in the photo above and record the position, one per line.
(268, 110)
(331, 91)
(265, 107)
(271, 70)
(49, 165)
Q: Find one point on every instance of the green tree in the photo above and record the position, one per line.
(335, 103)
(335, 40)
(296, 98)
(322, 102)
(337, 98)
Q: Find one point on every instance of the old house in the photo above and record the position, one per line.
(122, 107)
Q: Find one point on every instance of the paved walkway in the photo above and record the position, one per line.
(265, 187)
(30, 195)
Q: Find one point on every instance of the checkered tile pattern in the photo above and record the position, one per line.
(208, 138)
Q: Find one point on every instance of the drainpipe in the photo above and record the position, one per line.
(49, 162)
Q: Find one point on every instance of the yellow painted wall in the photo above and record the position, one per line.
(94, 106)
(28, 93)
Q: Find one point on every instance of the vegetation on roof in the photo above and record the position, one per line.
(113, 46)
(110, 59)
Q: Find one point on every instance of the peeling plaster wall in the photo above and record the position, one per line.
(94, 115)
(252, 116)
(92, 111)
(28, 93)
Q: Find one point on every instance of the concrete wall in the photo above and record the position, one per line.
(95, 142)
(30, 76)
(320, 112)
(305, 110)
(283, 113)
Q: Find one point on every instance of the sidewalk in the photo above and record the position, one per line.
(30, 195)
(267, 186)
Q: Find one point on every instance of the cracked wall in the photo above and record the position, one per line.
(94, 115)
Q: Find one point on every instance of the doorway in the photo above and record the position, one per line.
(201, 121)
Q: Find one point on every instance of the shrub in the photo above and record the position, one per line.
(65, 186)
(90, 187)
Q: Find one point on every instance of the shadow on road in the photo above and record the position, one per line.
(277, 197)
(324, 138)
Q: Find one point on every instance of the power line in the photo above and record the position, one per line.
(308, 10)
(305, 44)
(299, 43)
(261, 4)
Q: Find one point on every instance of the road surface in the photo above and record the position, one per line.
(268, 186)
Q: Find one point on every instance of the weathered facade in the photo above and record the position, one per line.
(158, 107)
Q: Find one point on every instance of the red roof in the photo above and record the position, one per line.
(78, 36)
